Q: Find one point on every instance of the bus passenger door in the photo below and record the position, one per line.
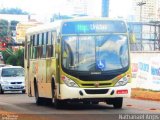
(51, 63)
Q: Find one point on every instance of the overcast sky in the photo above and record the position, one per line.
(117, 7)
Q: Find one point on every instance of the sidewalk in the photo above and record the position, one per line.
(145, 94)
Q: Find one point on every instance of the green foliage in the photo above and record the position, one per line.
(5, 55)
(20, 57)
(13, 24)
(16, 59)
(13, 11)
(3, 29)
(11, 60)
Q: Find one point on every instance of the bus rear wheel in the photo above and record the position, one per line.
(39, 100)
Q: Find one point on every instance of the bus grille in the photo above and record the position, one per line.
(93, 85)
(94, 91)
(96, 77)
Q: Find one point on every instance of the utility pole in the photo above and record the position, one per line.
(105, 8)
(140, 4)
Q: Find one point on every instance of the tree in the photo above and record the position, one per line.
(20, 57)
(13, 11)
(13, 24)
(11, 60)
(5, 56)
(6, 30)
(16, 59)
(3, 30)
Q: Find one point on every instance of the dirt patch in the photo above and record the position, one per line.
(145, 94)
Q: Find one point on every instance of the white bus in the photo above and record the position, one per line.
(82, 60)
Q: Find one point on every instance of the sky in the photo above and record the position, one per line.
(47, 7)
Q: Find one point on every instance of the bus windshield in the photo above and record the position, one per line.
(95, 53)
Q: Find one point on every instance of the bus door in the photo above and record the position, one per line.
(51, 62)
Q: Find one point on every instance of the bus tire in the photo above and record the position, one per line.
(117, 103)
(86, 102)
(95, 102)
(58, 104)
(39, 101)
(53, 88)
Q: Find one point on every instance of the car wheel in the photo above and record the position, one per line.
(1, 90)
(23, 91)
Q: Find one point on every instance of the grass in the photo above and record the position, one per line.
(145, 94)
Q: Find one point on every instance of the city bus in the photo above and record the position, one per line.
(78, 60)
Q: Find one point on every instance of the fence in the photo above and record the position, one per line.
(147, 36)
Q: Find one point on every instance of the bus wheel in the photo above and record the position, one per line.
(39, 101)
(59, 103)
(86, 102)
(1, 90)
(117, 103)
(95, 102)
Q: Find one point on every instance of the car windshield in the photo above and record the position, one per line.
(95, 53)
(12, 72)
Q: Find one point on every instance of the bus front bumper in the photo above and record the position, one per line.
(87, 93)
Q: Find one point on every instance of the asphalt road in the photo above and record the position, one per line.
(17, 106)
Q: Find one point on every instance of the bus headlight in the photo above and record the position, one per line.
(69, 82)
(122, 82)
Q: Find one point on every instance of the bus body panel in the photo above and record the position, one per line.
(45, 90)
(74, 93)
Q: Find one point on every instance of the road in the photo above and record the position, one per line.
(20, 106)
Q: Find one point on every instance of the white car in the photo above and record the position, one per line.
(12, 79)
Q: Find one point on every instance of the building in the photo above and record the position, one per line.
(78, 7)
(21, 29)
(146, 10)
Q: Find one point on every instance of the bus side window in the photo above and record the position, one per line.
(34, 47)
(25, 54)
(31, 47)
(39, 46)
(43, 46)
(49, 45)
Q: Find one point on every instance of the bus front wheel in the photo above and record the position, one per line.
(59, 103)
(116, 102)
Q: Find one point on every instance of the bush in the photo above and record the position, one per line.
(11, 60)
(16, 59)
